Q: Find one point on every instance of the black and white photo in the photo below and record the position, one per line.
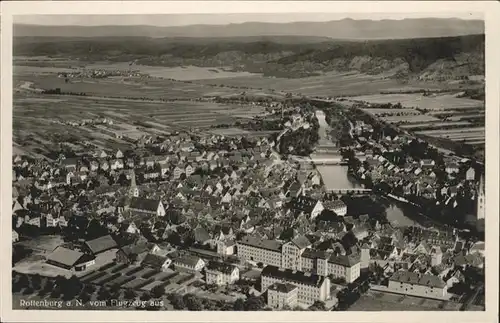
(280, 162)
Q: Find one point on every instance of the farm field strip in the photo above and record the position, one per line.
(450, 131)
(186, 115)
(460, 117)
(464, 134)
(438, 102)
(434, 124)
(377, 111)
(229, 131)
(409, 119)
(329, 84)
(466, 138)
(476, 142)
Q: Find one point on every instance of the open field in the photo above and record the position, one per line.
(442, 102)
(409, 119)
(38, 121)
(182, 73)
(472, 136)
(329, 84)
(464, 117)
(121, 87)
(378, 111)
(436, 125)
(131, 88)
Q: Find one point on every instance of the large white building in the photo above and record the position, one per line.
(325, 264)
(260, 250)
(411, 283)
(219, 273)
(291, 253)
(281, 295)
(297, 255)
(311, 287)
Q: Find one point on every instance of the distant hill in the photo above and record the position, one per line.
(443, 58)
(339, 29)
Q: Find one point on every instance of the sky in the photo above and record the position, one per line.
(217, 19)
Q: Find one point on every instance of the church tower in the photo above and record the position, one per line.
(481, 199)
(133, 191)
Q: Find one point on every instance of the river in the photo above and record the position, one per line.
(336, 177)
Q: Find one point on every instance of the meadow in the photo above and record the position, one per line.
(326, 85)
(438, 102)
(180, 73)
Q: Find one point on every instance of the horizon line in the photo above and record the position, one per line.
(475, 19)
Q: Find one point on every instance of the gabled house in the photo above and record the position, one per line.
(156, 262)
(189, 263)
(132, 253)
(147, 206)
(117, 164)
(470, 175)
(307, 205)
(101, 244)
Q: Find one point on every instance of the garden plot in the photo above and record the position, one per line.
(153, 284)
(136, 283)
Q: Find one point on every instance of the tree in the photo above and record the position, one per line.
(130, 294)
(158, 291)
(260, 264)
(56, 292)
(36, 282)
(70, 288)
(146, 296)
(28, 291)
(89, 289)
(192, 302)
(177, 301)
(84, 296)
(254, 303)
(23, 281)
(103, 294)
(239, 305)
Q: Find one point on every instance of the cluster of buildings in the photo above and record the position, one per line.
(298, 255)
(236, 198)
(425, 178)
(99, 73)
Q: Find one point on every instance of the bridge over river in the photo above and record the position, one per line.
(349, 190)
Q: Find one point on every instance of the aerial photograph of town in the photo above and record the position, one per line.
(248, 163)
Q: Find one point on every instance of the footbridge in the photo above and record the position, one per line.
(349, 190)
